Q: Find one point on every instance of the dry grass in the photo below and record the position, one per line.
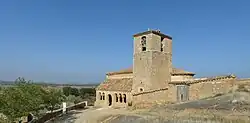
(159, 119)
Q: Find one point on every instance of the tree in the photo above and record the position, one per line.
(75, 92)
(71, 100)
(86, 92)
(21, 99)
(53, 98)
(77, 100)
(66, 91)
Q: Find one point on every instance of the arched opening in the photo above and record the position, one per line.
(100, 95)
(116, 97)
(120, 95)
(110, 99)
(124, 98)
(103, 96)
(143, 43)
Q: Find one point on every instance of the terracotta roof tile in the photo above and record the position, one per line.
(175, 71)
(124, 84)
(123, 71)
(204, 80)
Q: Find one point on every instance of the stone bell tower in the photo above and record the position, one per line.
(152, 65)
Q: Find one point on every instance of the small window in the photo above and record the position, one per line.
(143, 43)
(124, 98)
(141, 89)
(120, 96)
(116, 97)
(103, 96)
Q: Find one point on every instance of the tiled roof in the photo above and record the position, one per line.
(175, 71)
(124, 71)
(204, 80)
(124, 84)
(154, 32)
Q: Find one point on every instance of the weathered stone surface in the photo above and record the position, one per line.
(153, 80)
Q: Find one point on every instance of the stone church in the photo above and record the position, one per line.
(153, 79)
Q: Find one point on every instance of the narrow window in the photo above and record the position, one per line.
(103, 96)
(162, 45)
(116, 97)
(181, 97)
(124, 98)
(143, 43)
(120, 95)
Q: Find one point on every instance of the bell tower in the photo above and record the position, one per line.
(152, 61)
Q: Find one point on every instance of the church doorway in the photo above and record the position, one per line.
(110, 99)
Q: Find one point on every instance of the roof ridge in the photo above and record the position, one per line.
(175, 71)
(193, 81)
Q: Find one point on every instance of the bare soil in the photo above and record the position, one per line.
(229, 108)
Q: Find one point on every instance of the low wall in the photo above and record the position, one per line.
(58, 112)
(208, 89)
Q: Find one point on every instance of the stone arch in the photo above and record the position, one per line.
(100, 95)
(110, 99)
(124, 98)
(120, 96)
(103, 96)
(143, 43)
(116, 97)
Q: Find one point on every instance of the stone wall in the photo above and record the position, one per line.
(116, 101)
(172, 93)
(210, 88)
(148, 99)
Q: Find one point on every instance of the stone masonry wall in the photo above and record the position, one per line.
(150, 67)
(115, 103)
(207, 89)
(172, 93)
(149, 99)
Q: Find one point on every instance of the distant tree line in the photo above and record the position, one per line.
(77, 95)
(50, 84)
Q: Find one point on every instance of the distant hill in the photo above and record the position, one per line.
(10, 83)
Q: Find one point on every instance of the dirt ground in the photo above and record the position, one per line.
(90, 115)
(110, 115)
(220, 109)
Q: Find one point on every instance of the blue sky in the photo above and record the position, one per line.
(78, 41)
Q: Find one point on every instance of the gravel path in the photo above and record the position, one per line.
(91, 115)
